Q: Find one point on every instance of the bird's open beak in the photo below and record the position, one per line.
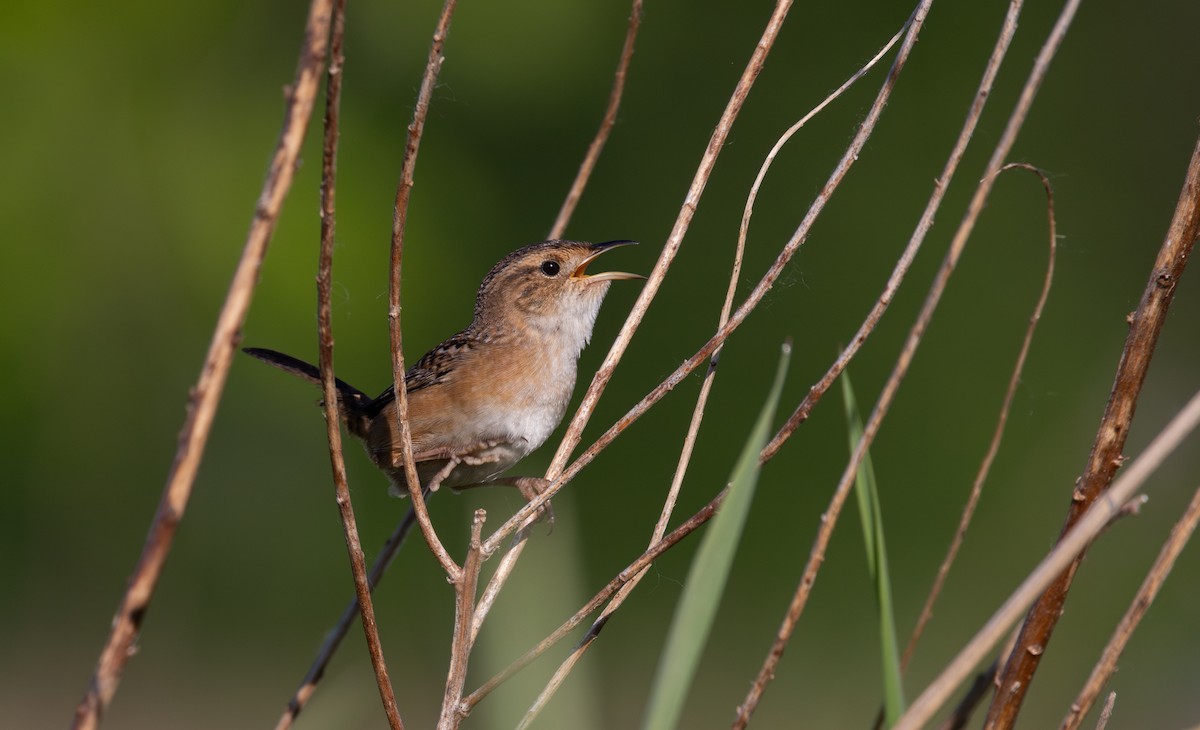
(597, 249)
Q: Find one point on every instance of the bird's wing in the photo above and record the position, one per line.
(433, 368)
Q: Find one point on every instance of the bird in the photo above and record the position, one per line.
(492, 393)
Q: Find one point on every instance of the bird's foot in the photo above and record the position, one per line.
(530, 488)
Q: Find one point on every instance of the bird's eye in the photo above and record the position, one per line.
(550, 267)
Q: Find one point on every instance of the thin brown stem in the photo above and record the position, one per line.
(460, 651)
(982, 94)
(1144, 328)
(333, 421)
(334, 638)
(985, 466)
(704, 514)
(1180, 534)
(606, 125)
(403, 193)
(685, 455)
(1067, 549)
(205, 395)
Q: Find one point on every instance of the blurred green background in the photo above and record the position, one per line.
(137, 137)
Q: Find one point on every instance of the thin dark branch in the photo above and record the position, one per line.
(399, 220)
(606, 125)
(333, 421)
(1105, 458)
(985, 466)
(202, 402)
(334, 638)
(979, 689)
(1180, 534)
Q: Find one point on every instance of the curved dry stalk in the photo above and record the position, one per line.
(1180, 534)
(985, 466)
(1144, 327)
(1063, 554)
(606, 125)
(916, 334)
(982, 94)
(399, 220)
(333, 421)
(334, 638)
(689, 442)
(204, 396)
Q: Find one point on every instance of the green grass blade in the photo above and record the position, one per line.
(872, 522)
(706, 579)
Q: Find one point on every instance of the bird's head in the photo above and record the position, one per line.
(546, 286)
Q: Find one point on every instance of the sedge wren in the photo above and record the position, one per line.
(488, 396)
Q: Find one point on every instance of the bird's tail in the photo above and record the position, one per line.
(353, 401)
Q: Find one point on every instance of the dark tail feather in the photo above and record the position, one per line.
(352, 399)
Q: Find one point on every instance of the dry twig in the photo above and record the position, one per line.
(1105, 458)
(203, 399)
(1180, 534)
(333, 421)
(403, 193)
(1064, 552)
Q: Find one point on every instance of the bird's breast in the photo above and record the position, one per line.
(526, 395)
